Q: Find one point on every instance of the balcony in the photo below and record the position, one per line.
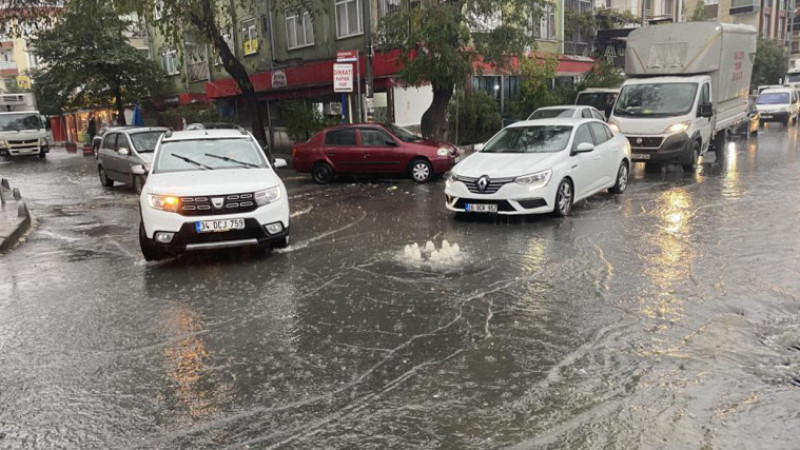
(197, 71)
(577, 48)
(744, 6)
(578, 5)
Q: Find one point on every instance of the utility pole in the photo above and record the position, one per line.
(791, 30)
(369, 88)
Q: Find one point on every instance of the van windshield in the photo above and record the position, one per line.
(20, 122)
(773, 98)
(656, 100)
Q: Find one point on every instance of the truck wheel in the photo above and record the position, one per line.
(694, 158)
(720, 143)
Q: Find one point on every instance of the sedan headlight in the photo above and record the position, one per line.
(614, 127)
(535, 178)
(163, 202)
(267, 196)
(678, 127)
(443, 151)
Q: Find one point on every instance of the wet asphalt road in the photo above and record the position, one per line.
(665, 318)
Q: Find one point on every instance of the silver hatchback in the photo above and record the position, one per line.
(121, 150)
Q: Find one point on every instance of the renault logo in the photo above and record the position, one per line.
(218, 202)
(483, 183)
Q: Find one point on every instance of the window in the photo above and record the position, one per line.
(765, 25)
(299, 30)
(169, 60)
(599, 132)
(546, 28)
(158, 10)
(110, 141)
(250, 37)
(196, 56)
(386, 7)
(780, 35)
(582, 135)
(586, 113)
(348, 18)
(597, 115)
(374, 138)
(341, 137)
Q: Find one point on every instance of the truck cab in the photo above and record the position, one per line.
(22, 128)
(664, 118)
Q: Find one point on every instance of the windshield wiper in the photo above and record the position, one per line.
(191, 161)
(226, 159)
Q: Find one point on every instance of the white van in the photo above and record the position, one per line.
(22, 128)
(778, 105)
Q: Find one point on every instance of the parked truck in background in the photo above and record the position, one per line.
(22, 128)
(687, 87)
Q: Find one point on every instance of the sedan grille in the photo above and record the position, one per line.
(494, 184)
(217, 205)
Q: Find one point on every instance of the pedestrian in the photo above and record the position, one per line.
(92, 131)
(610, 100)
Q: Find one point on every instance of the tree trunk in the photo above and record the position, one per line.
(119, 106)
(434, 120)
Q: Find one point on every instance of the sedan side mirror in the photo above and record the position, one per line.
(139, 169)
(279, 163)
(124, 151)
(479, 147)
(583, 147)
(705, 110)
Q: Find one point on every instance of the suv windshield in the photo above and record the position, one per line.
(208, 154)
(773, 98)
(19, 122)
(550, 113)
(145, 142)
(532, 139)
(401, 133)
(656, 100)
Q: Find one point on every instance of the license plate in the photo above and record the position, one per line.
(766, 116)
(219, 226)
(481, 208)
(640, 156)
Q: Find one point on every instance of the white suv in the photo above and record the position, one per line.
(211, 189)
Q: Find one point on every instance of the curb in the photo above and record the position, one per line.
(23, 217)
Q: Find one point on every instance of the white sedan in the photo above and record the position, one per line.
(540, 166)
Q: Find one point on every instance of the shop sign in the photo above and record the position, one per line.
(347, 56)
(342, 78)
(279, 79)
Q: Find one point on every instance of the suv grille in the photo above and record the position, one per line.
(493, 186)
(205, 206)
(646, 142)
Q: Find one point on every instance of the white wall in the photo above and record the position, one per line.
(410, 103)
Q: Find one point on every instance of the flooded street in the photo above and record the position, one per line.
(668, 317)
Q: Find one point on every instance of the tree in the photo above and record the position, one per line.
(770, 64)
(88, 61)
(536, 86)
(442, 40)
(602, 75)
(699, 14)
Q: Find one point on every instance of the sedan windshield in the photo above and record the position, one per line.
(209, 154)
(531, 139)
(401, 133)
(145, 142)
(772, 98)
(656, 100)
(20, 122)
(550, 113)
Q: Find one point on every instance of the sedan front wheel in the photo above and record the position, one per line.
(564, 198)
(622, 179)
(421, 170)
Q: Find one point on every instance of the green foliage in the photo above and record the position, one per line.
(583, 23)
(602, 75)
(536, 88)
(476, 116)
(88, 61)
(195, 113)
(608, 19)
(303, 121)
(699, 14)
(770, 64)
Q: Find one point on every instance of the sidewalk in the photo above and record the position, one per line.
(15, 220)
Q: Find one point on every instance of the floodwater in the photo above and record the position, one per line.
(666, 318)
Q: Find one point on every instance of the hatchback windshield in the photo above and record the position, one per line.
(550, 113)
(773, 98)
(209, 154)
(656, 100)
(19, 122)
(145, 142)
(532, 139)
(401, 133)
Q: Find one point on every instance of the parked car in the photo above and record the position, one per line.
(98, 138)
(779, 105)
(751, 126)
(211, 189)
(212, 126)
(372, 149)
(600, 98)
(573, 111)
(121, 150)
(540, 166)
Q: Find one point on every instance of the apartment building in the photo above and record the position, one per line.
(770, 17)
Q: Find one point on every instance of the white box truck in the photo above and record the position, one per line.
(22, 128)
(687, 86)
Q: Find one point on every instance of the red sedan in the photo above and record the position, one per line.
(371, 149)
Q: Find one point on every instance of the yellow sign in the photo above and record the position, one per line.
(24, 82)
(251, 46)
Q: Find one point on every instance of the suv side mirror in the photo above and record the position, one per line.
(583, 147)
(124, 151)
(705, 110)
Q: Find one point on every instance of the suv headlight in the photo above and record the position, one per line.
(678, 127)
(267, 196)
(163, 202)
(542, 178)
